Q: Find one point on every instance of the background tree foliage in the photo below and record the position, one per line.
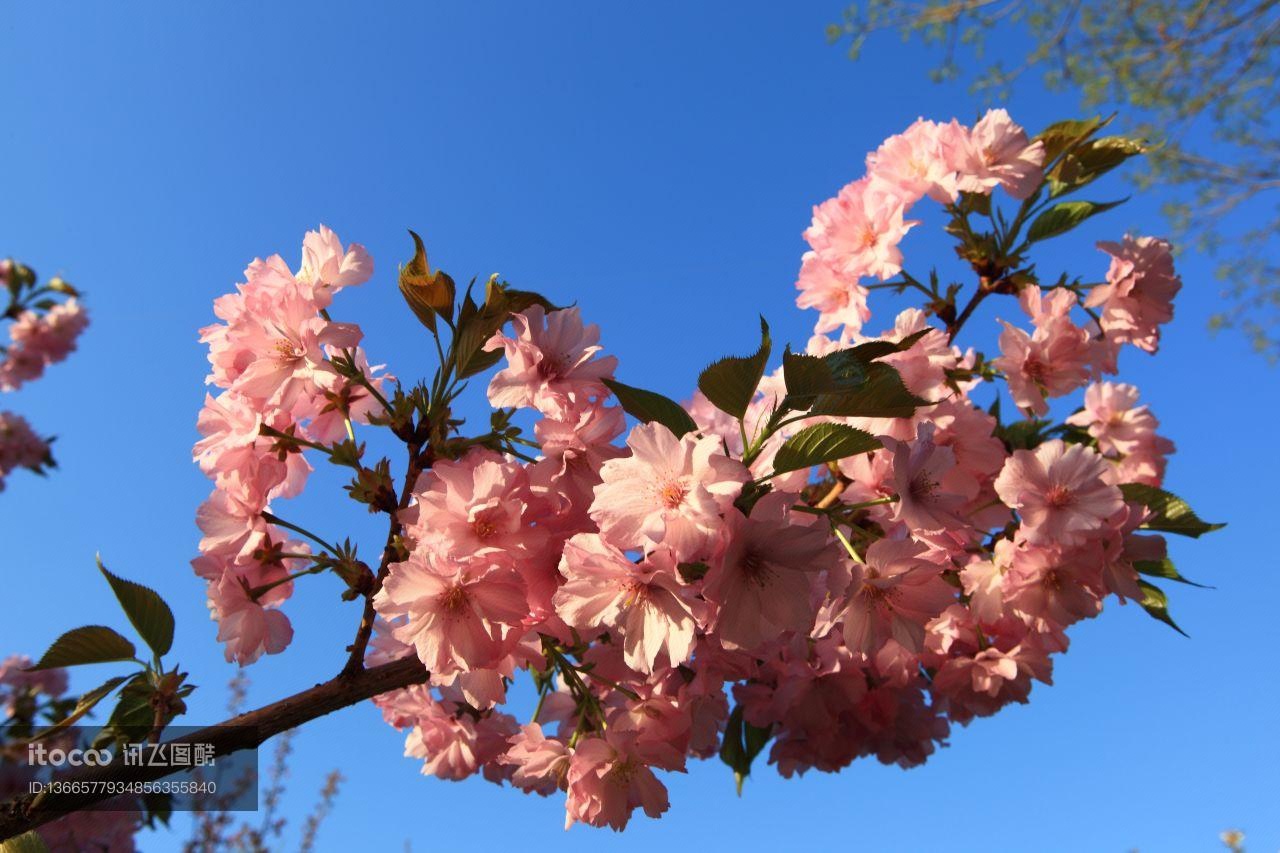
(1196, 77)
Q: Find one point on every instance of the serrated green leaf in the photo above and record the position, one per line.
(821, 443)
(1064, 216)
(872, 350)
(1061, 135)
(1170, 513)
(882, 395)
(805, 376)
(90, 644)
(1156, 603)
(1163, 569)
(650, 407)
(28, 842)
(730, 383)
(147, 611)
(1086, 163)
(84, 705)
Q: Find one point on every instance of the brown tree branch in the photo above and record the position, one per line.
(245, 731)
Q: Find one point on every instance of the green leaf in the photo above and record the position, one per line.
(649, 407)
(1060, 136)
(85, 704)
(28, 842)
(730, 383)
(477, 324)
(90, 644)
(1086, 163)
(1170, 513)
(1156, 603)
(821, 443)
(428, 293)
(1064, 216)
(1163, 569)
(883, 395)
(872, 350)
(805, 376)
(148, 612)
(741, 743)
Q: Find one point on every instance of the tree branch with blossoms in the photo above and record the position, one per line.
(45, 322)
(842, 557)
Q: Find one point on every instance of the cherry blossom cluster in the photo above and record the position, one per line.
(42, 332)
(857, 558)
(272, 356)
(29, 698)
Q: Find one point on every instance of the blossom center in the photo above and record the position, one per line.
(672, 494)
(454, 600)
(923, 487)
(1059, 497)
(287, 350)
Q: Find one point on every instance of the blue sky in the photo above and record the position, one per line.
(655, 163)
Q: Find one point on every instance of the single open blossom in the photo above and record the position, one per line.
(644, 602)
(669, 491)
(857, 233)
(839, 299)
(607, 780)
(541, 763)
(552, 360)
(998, 153)
(1053, 361)
(915, 163)
(327, 267)
(892, 597)
(246, 627)
(1061, 492)
(457, 616)
(289, 364)
(1121, 427)
(981, 685)
(474, 506)
(1137, 297)
(761, 576)
(931, 491)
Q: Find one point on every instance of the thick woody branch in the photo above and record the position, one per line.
(246, 731)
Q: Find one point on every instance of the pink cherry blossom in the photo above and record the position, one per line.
(552, 360)
(20, 447)
(1053, 361)
(472, 507)
(541, 763)
(1061, 492)
(246, 627)
(998, 153)
(327, 267)
(669, 491)
(857, 233)
(607, 781)
(840, 300)
(894, 593)
(1137, 297)
(915, 163)
(644, 602)
(931, 491)
(456, 616)
(761, 576)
